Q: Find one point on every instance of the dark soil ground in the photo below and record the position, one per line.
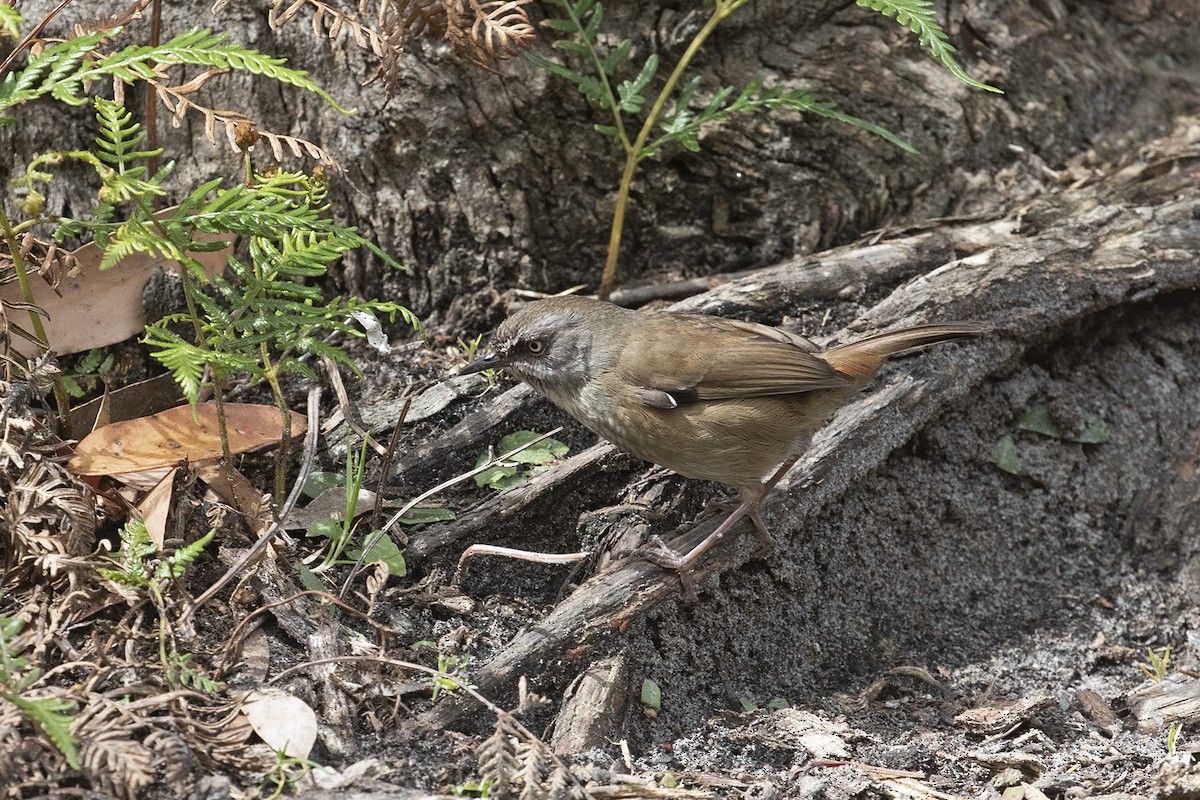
(969, 619)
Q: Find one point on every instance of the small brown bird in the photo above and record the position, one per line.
(708, 397)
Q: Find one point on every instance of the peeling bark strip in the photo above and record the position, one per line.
(1123, 239)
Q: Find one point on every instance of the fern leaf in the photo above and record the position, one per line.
(616, 56)
(53, 717)
(919, 17)
(51, 72)
(555, 68)
(10, 22)
(177, 563)
(200, 47)
(629, 93)
(684, 126)
(119, 136)
(182, 359)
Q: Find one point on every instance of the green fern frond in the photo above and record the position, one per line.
(10, 22)
(239, 359)
(119, 136)
(177, 563)
(182, 359)
(52, 716)
(47, 70)
(201, 47)
(318, 347)
(136, 236)
(684, 125)
(136, 547)
(919, 17)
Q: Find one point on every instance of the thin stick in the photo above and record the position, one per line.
(310, 452)
(520, 555)
(375, 537)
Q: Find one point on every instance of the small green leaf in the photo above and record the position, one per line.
(319, 482)
(747, 704)
(1037, 419)
(616, 57)
(560, 25)
(630, 99)
(498, 477)
(594, 90)
(543, 452)
(387, 551)
(595, 19)
(778, 703)
(555, 68)
(609, 131)
(572, 46)
(1004, 455)
(1096, 432)
(669, 780)
(329, 528)
(309, 580)
(651, 694)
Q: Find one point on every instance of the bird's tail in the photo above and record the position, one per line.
(860, 359)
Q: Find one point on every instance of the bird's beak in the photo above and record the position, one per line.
(489, 360)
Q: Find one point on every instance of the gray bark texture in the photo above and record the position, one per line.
(484, 183)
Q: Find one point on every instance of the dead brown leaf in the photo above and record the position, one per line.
(172, 437)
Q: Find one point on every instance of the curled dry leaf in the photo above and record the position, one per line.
(89, 308)
(156, 507)
(286, 723)
(172, 436)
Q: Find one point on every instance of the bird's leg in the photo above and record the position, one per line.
(667, 558)
(765, 543)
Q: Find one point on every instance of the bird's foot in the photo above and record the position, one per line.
(657, 552)
(766, 545)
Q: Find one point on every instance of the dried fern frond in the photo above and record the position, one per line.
(116, 763)
(499, 754)
(514, 757)
(45, 517)
(176, 101)
(118, 20)
(9, 329)
(47, 259)
(483, 32)
(328, 22)
(501, 30)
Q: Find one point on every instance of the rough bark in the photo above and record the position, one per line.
(484, 183)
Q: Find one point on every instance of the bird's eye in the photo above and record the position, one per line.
(535, 346)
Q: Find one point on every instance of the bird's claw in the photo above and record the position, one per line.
(657, 552)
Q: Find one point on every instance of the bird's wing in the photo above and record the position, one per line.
(723, 359)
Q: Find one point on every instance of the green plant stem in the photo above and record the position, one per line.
(61, 399)
(636, 152)
(285, 416)
(223, 428)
